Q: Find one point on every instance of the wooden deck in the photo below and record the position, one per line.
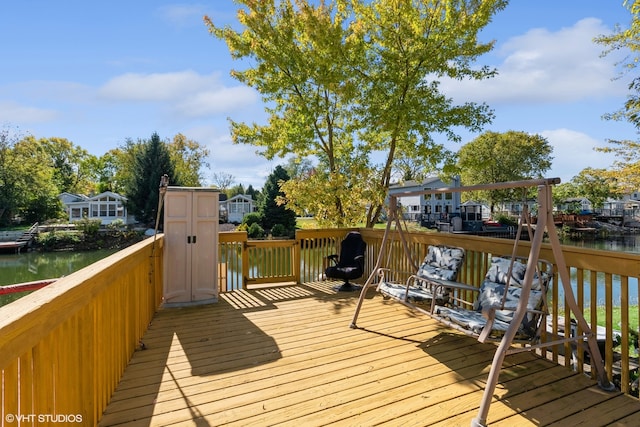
(286, 356)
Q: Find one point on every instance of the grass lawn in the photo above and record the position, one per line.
(309, 223)
(616, 316)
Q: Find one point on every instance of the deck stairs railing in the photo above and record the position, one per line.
(30, 234)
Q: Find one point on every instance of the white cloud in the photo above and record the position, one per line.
(156, 86)
(239, 160)
(186, 93)
(12, 112)
(181, 15)
(574, 151)
(541, 66)
(218, 101)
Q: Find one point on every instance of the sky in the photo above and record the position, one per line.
(99, 73)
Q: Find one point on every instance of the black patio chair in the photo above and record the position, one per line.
(349, 264)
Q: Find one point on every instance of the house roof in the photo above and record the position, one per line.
(70, 198)
(109, 194)
(244, 197)
(406, 185)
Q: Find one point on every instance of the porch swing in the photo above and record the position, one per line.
(496, 317)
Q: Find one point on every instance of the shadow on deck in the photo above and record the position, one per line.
(286, 356)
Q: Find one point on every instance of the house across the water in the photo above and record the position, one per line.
(107, 207)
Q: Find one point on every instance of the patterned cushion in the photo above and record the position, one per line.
(493, 289)
(499, 272)
(469, 319)
(398, 291)
(442, 263)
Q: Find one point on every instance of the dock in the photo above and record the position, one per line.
(22, 241)
(17, 246)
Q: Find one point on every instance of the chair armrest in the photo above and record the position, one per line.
(333, 257)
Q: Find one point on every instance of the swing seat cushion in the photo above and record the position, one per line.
(441, 263)
(398, 291)
(490, 297)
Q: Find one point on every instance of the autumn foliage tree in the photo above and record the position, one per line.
(354, 85)
(626, 169)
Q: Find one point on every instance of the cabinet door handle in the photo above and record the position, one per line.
(194, 239)
(188, 239)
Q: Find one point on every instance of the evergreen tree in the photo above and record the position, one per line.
(271, 211)
(151, 161)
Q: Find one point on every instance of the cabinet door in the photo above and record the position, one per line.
(177, 257)
(204, 252)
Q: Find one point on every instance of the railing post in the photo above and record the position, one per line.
(296, 259)
(245, 264)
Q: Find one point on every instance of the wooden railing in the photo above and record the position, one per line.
(245, 262)
(64, 348)
(606, 279)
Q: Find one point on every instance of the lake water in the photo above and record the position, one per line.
(27, 267)
(626, 243)
(32, 266)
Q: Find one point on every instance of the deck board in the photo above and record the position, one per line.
(286, 356)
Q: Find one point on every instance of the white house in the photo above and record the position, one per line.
(107, 207)
(581, 204)
(237, 207)
(429, 207)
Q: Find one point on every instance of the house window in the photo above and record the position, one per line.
(112, 209)
(94, 211)
(76, 213)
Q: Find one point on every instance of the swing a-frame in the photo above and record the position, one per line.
(526, 288)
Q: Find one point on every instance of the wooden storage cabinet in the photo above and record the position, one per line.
(190, 246)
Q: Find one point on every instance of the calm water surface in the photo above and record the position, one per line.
(31, 266)
(27, 267)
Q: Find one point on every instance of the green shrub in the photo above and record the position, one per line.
(255, 231)
(505, 220)
(116, 224)
(53, 239)
(251, 218)
(278, 230)
(89, 227)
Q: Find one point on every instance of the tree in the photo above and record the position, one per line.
(626, 170)
(105, 169)
(594, 185)
(71, 165)
(222, 180)
(297, 167)
(10, 176)
(188, 158)
(235, 190)
(27, 184)
(38, 200)
(352, 78)
(250, 191)
(151, 160)
(273, 209)
(564, 191)
(500, 157)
